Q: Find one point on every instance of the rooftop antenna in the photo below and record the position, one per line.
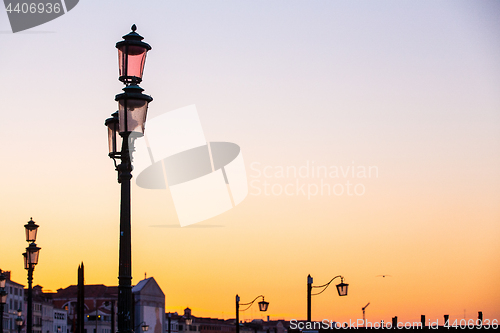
(364, 319)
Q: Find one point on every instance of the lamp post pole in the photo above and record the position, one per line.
(128, 123)
(3, 298)
(237, 313)
(309, 290)
(263, 305)
(1, 316)
(341, 288)
(29, 319)
(125, 309)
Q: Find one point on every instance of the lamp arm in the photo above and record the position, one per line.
(327, 284)
(250, 303)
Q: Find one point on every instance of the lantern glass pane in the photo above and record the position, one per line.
(114, 139)
(2, 283)
(3, 298)
(33, 256)
(145, 328)
(131, 60)
(136, 115)
(31, 233)
(26, 265)
(19, 322)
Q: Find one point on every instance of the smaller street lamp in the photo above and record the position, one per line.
(341, 289)
(144, 326)
(19, 320)
(263, 305)
(3, 279)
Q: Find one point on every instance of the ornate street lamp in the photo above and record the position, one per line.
(144, 326)
(132, 57)
(263, 305)
(30, 260)
(19, 320)
(341, 289)
(31, 228)
(132, 109)
(124, 126)
(32, 254)
(114, 138)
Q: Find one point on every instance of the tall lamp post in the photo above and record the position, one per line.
(30, 260)
(341, 289)
(3, 298)
(263, 305)
(123, 128)
(19, 320)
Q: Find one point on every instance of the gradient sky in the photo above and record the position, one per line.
(409, 87)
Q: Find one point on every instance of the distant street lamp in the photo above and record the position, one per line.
(189, 319)
(3, 298)
(30, 260)
(341, 289)
(19, 320)
(263, 305)
(144, 326)
(123, 128)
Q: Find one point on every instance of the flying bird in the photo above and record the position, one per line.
(383, 275)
